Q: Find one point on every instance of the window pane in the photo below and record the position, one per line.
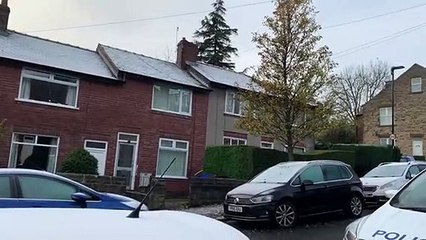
(5, 191)
(98, 145)
(65, 79)
(174, 100)
(229, 102)
(345, 172)
(25, 138)
(227, 141)
(48, 92)
(266, 145)
(43, 188)
(186, 101)
(125, 155)
(131, 138)
(237, 107)
(161, 96)
(47, 141)
(177, 169)
(313, 174)
(414, 170)
(332, 173)
(166, 143)
(234, 142)
(241, 142)
(34, 157)
(182, 145)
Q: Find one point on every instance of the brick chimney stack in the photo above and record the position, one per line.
(4, 16)
(186, 51)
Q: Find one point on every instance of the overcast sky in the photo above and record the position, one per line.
(157, 38)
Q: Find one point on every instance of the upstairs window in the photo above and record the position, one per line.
(42, 87)
(416, 85)
(172, 99)
(232, 104)
(385, 141)
(385, 116)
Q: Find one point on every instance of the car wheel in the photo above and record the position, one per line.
(285, 215)
(355, 206)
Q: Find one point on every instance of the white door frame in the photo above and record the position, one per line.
(97, 149)
(135, 156)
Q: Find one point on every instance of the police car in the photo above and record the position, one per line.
(81, 224)
(401, 218)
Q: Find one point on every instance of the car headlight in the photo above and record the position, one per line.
(262, 199)
(352, 230)
(387, 186)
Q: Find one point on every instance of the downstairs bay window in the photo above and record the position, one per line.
(168, 150)
(47, 88)
(34, 152)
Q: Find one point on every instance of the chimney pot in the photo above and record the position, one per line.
(186, 51)
(4, 16)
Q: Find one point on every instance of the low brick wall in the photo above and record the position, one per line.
(99, 183)
(210, 191)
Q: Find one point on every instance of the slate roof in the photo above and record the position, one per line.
(150, 67)
(30, 49)
(222, 76)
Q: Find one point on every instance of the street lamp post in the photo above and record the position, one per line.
(393, 107)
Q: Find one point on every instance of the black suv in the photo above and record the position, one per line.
(287, 191)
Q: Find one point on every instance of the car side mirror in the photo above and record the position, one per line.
(306, 183)
(80, 198)
(409, 176)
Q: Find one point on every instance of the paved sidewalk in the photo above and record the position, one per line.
(213, 211)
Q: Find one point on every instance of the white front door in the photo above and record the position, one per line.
(418, 147)
(126, 158)
(98, 149)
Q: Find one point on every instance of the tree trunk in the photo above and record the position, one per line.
(290, 150)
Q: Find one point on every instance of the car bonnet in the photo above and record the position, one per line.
(71, 224)
(393, 223)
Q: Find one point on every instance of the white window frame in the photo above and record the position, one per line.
(267, 142)
(180, 112)
(228, 93)
(30, 74)
(296, 147)
(388, 114)
(234, 138)
(95, 141)
(13, 142)
(415, 83)
(173, 148)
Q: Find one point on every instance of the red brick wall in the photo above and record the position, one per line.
(104, 110)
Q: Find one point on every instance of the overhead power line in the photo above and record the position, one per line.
(143, 19)
(379, 41)
(373, 17)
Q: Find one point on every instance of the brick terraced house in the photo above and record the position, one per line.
(132, 112)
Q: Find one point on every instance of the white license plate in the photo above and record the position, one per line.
(233, 208)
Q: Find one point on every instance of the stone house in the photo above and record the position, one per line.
(375, 120)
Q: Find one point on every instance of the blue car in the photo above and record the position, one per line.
(22, 188)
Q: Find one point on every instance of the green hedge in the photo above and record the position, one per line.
(244, 162)
(369, 156)
(240, 162)
(348, 157)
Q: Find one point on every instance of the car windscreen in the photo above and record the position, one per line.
(413, 196)
(278, 174)
(387, 171)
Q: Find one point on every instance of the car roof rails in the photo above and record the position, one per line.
(384, 163)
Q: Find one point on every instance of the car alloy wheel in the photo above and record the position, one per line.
(356, 206)
(285, 215)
